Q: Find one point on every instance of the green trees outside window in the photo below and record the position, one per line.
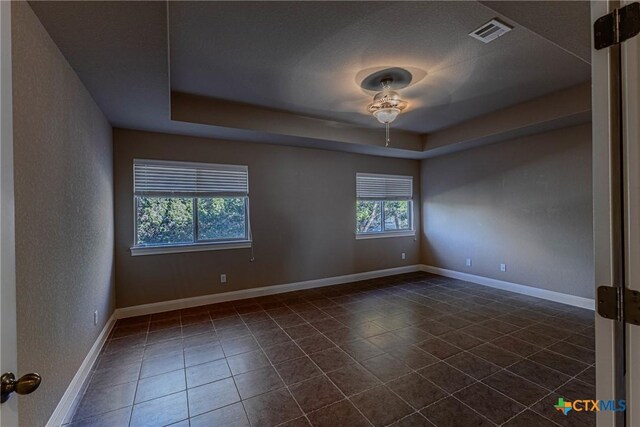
(379, 216)
(222, 218)
(164, 220)
(184, 220)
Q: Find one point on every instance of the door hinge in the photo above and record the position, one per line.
(619, 304)
(632, 307)
(617, 26)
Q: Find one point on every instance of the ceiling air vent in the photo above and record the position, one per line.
(490, 31)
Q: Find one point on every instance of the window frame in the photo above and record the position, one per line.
(196, 227)
(385, 195)
(196, 244)
(387, 233)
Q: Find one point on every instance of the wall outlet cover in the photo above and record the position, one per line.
(503, 267)
(223, 278)
(468, 262)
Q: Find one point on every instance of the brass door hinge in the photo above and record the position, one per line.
(617, 26)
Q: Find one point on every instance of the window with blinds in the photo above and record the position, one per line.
(182, 203)
(384, 205)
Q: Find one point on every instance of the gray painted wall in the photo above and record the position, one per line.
(525, 202)
(64, 221)
(302, 216)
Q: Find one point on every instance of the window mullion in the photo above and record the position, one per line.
(135, 220)
(410, 211)
(382, 226)
(195, 219)
(246, 219)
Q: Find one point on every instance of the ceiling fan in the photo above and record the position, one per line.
(387, 104)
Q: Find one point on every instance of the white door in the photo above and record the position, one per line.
(630, 82)
(616, 163)
(607, 228)
(8, 357)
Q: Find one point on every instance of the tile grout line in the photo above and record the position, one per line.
(184, 362)
(133, 403)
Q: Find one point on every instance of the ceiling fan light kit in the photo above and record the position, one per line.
(387, 104)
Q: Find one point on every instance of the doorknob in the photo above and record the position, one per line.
(24, 385)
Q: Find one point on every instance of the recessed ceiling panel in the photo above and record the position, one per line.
(310, 57)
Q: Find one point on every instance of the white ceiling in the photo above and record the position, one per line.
(308, 58)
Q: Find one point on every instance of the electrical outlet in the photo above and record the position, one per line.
(503, 267)
(403, 255)
(95, 318)
(468, 262)
(223, 278)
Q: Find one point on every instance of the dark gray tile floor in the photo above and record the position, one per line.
(407, 350)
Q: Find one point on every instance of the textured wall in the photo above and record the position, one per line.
(64, 215)
(525, 202)
(302, 216)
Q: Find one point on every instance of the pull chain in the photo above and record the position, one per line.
(387, 132)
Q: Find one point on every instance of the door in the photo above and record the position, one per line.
(616, 168)
(8, 357)
(630, 101)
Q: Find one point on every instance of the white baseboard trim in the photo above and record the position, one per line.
(66, 403)
(573, 300)
(158, 307)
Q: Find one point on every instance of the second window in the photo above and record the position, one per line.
(383, 204)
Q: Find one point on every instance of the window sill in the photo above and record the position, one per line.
(195, 247)
(410, 233)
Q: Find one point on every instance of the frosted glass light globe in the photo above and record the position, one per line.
(386, 115)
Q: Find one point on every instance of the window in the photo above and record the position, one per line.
(183, 206)
(384, 207)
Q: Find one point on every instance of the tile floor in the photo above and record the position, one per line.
(408, 350)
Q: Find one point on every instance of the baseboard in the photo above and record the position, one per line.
(573, 300)
(69, 397)
(158, 307)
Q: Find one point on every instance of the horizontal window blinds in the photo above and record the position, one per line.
(383, 187)
(181, 179)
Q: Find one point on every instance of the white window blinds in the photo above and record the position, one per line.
(184, 179)
(383, 187)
